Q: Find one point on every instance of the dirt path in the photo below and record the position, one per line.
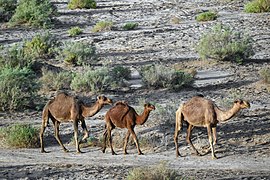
(29, 163)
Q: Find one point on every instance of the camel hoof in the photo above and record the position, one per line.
(125, 153)
(214, 157)
(113, 153)
(43, 151)
(66, 151)
(140, 153)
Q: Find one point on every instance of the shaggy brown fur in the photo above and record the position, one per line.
(202, 112)
(124, 116)
(65, 108)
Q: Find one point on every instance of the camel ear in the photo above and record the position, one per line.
(240, 101)
(146, 105)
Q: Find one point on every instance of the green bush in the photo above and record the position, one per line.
(130, 26)
(55, 80)
(257, 6)
(14, 56)
(119, 74)
(159, 76)
(221, 43)
(165, 114)
(160, 171)
(41, 46)
(74, 31)
(78, 53)
(7, 9)
(102, 26)
(19, 136)
(18, 88)
(206, 16)
(23, 54)
(80, 4)
(34, 13)
(265, 75)
(91, 80)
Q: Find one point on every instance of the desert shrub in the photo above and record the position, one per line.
(206, 16)
(80, 4)
(130, 26)
(24, 53)
(78, 53)
(74, 31)
(19, 136)
(7, 9)
(165, 114)
(221, 43)
(41, 46)
(18, 88)
(102, 26)
(34, 13)
(13, 56)
(257, 6)
(265, 74)
(91, 80)
(157, 76)
(55, 80)
(160, 171)
(119, 74)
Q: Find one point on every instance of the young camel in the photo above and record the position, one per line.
(202, 112)
(65, 108)
(124, 116)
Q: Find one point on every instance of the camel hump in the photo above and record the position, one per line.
(123, 103)
(199, 95)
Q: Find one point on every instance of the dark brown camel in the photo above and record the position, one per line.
(201, 112)
(124, 116)
(65, 108)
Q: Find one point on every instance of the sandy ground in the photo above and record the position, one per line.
(243, 143)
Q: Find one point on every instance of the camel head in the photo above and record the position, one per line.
(149, 107)
(104, 100)
(242, 104)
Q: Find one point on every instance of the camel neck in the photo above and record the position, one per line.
(91, 110)
(226, 115)
(141, 119)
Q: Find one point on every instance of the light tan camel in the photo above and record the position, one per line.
(124, 116)
(65, 108)
(201, 112)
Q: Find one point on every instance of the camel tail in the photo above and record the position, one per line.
(179, 119)
(45, 115)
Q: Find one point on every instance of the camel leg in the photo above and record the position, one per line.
(75, 124)
(110, 140)
(42, 130)
(86, 135)
(105, 135)
(126, 142)
(56, 134)
(136, 141)
(188, 139)
(209, 131)
(178, 128)
(214, 129)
